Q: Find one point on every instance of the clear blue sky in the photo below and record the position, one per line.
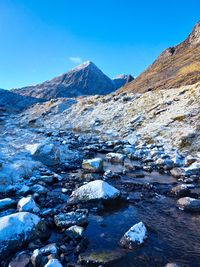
(40, 39)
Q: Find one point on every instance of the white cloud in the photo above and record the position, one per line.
(76, 60)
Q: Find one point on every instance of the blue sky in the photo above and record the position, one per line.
(40, 39)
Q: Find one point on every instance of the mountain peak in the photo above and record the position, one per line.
(194, 37)
(84, 65)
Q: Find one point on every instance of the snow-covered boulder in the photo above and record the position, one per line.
(15, 230)
(135, 236)
(189, 204)
(115, 157)
(94, 191)
(93, 165)
(48, 154)
(28, 204)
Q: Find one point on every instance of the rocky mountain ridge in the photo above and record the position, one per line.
(85, 79)
(176, 66)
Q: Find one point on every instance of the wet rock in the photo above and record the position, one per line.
(15, 230)
(193, 169)
(24, 190)
(94, 191)
(100, 258)
(93, 165)
(6, 203)
(110, 174)
(22, 259)
(36, 258)
(115, 157)
(189, 204)
(53, 263)
(177, 172)
(49, 249)
(189, 160)
(180, 190)
(166, 164)
(66, 220)
(135, 236)
(37, 188)
(48, 154)
(28, 204)
(76, 230)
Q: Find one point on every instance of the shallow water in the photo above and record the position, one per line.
(174, 235)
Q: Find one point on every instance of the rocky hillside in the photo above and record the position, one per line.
(14, 102)
(86, 79)
(175, 67)
(151, 115)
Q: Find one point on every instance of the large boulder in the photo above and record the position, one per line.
(93, 165)
(189, 204)
(16, 230)
(94, 191)
(48, 154)
(135, 236)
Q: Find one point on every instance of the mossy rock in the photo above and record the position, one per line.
(101, 257)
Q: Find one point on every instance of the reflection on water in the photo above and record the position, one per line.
(173, 234)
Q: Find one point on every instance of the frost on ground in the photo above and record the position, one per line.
(170, 116)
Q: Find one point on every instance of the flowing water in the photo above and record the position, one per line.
(174, 235)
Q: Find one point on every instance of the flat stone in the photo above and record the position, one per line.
(66, 220)
(100, 258)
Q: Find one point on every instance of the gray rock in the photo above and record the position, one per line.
(93, 191)
(66, 220)
(6, 203)
(15, 230)
(93, 165)
(101, 258)
(48, 154)
(22, 259)
(189, 204)
(135, 236)
(115, 157)
(180, 190)
(28, 204)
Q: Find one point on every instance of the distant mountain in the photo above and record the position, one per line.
(13, 102)
(85, 79)
(175, 67)
(121, 80)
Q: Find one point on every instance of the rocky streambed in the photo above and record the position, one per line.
(76, 200)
